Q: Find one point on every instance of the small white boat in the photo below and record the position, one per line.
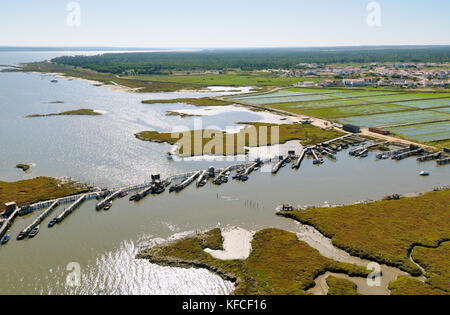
(424, 173)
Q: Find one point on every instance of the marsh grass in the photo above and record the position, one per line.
(278, 264)
(338, 286)
(405, 285)
(384, 231)
(200, 142)
(436, 262)
(35, 190)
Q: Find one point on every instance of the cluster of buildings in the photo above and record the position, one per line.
(369, 81)
(400, 74)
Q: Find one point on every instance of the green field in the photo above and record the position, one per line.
(236, 78)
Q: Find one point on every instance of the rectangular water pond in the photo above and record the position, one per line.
(404, 97)
(283, 99)
(443, 110)
(426, 132)
(320, 104)
(426, 103)
(395, 118)
(348, 111)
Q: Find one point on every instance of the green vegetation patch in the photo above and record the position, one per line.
(35, 190)
(78, 112)
(405, 285)
(338, 286)
(278, 264)
(204, 101)
(440, 144)
(436, 262)
(384, 231)
(216, 142)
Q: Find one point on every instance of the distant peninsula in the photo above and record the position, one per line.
(79, 112)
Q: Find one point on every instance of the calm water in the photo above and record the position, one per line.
(103, 150)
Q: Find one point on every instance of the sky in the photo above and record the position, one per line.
(225, 23)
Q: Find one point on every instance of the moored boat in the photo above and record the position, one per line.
(21, 236)
(5, 239)
(52, 223)
(34, 232)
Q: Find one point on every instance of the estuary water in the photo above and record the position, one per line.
(103, 150)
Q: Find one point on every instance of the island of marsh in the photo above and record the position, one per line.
(36, 189)
(278, 264)
(216, 142)
(78, 112)
(24, 167)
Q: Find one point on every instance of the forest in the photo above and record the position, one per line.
(250, 59)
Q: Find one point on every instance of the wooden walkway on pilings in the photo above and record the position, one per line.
(45, 204)
(41, 218)
(203, 176)
(405, 155)
(188, 181)
(70, 209)
(443, 161)
(299, 159)
(361, 150)
(276, 168)
(8, 222)
(108, 199)
(430, 157)
(337, 139)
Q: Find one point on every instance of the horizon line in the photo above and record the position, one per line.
(218, 47)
